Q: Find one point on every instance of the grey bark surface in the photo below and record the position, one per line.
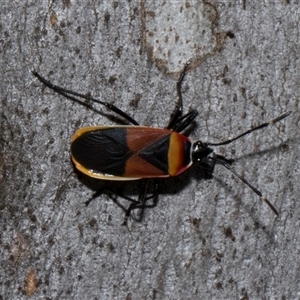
(206, 239)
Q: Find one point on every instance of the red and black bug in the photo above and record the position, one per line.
(135, 152)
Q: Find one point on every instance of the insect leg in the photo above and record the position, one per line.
(67, 93)
(109, 191)
(177, 112)
(184, 121)
(142, 201)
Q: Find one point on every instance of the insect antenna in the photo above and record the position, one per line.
(227, 165)
(255, 190)
(272, 122)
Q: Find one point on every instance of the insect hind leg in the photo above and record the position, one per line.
(70, 95)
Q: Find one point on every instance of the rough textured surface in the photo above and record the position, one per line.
(207, 239)
(175, 32)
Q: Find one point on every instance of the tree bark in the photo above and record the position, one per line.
(207, 238)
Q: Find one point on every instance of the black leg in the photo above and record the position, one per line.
(184, 121)
(177, 112)
(66, 93)
(179, 122)
(141, 203)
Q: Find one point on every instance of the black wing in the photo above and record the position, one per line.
(103, 151)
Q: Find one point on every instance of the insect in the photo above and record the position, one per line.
(134, 152)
